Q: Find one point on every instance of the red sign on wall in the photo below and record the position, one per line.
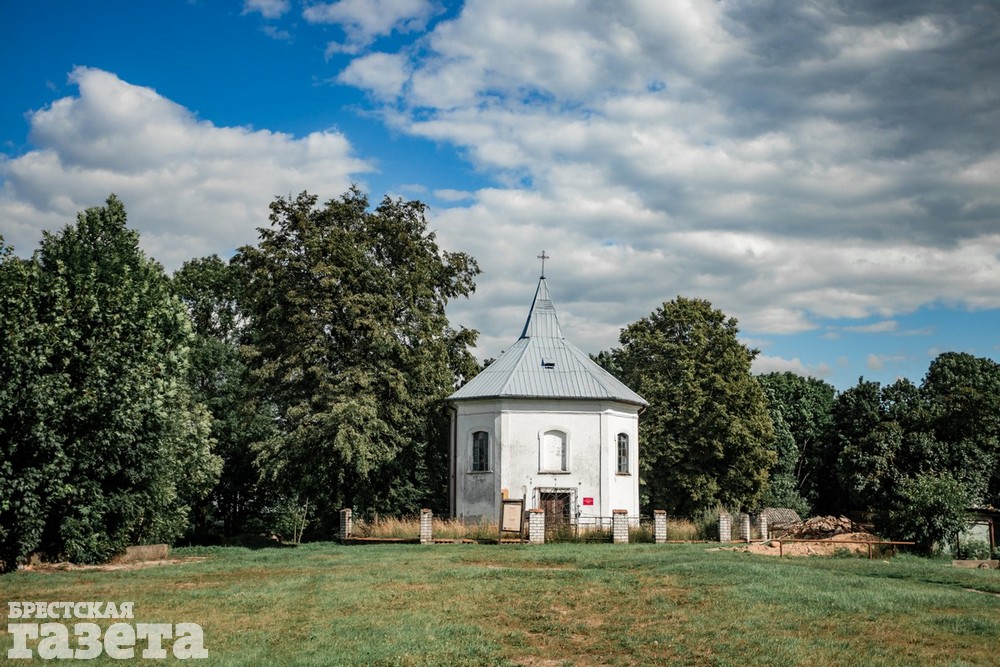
(588, 501)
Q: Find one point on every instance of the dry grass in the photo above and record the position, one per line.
(408, 528)
(679, 530)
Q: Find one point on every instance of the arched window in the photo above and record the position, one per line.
(480, 452)
(622, 453)
(554, 453)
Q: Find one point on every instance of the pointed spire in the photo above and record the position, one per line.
(542, 321)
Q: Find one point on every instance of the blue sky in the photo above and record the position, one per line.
(826, 172)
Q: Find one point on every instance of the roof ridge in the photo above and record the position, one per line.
(516, 363)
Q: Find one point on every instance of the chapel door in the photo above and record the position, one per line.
(557, 507)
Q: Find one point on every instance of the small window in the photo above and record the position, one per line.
(480, 451)
(622, 454)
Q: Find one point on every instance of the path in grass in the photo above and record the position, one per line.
(324, 604)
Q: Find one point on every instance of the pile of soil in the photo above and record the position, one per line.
(821, 547)
(821, 528)
(832, 534)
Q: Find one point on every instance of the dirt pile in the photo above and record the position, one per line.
(827, 535)
(821, 528)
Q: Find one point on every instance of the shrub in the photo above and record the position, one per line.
(974, 550)
(930, 510)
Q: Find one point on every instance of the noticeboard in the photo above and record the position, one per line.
(512, 516)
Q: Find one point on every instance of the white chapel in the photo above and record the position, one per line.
(546, 424)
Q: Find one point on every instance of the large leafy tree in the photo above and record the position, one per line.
(348, 337)
(707, 437)
(32, 462)
(930, 510)
(103, 445)
(867, 449)
(962, 394)
(783, 488)
(918, 457)
(212, 291)
(881, 439)
(805, 405)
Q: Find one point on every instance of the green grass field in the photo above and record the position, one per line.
(565, 604)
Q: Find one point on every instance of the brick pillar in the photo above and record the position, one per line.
(762, 526)
(426, 526)
(745, 527)
(619, 526)
(725, 527)
(659, 526)
(345, 524)
(536, 526)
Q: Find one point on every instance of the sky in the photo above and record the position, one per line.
(827, 172)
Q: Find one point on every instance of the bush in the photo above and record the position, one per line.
(974, 550)
(930, 510)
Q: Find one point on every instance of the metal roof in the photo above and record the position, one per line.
(543, 364)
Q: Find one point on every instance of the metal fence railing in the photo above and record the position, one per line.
(597, 529)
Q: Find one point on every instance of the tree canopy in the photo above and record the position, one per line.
(707, 437)
(213, 293)
(348, 338)
(103, 445)
(805, 405)
(916, 458)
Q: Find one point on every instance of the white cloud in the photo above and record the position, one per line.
(384, 74)
(880, 362)
(452, 195)
(365, 20)
(191, 188)
(710, 150)
(277, 34)
(269, 9)
(885, 326)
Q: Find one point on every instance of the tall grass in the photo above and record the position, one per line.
(408, 528)
(683, 530)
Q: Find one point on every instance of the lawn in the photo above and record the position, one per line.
(559, 604)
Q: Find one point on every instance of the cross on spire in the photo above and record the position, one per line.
(543, 257)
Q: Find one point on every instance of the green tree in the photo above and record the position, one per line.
(930, 509)
(212, 291)
(32, 464)
(707, 437)
(783, 487)
(806, 407)
(348, 337)
(881, 441)
(962, 394)
(103, 444)
(858, 415)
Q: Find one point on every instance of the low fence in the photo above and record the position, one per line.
(597, 529)
(579, 529)
(872, 552)
(617, 528)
